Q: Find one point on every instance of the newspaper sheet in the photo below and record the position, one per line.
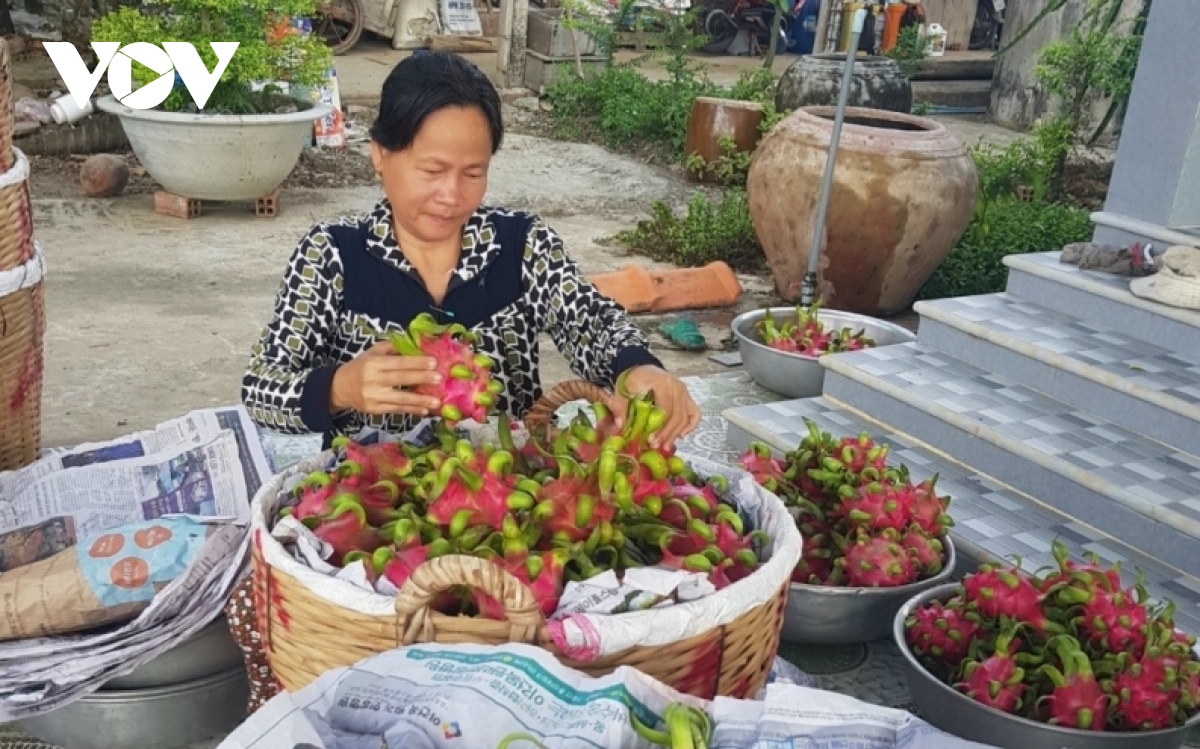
(205, 465)
(440, 696)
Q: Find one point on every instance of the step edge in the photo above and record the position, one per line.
(775, 441)
(1081, 282)
(1060, 362)
(1018, 448)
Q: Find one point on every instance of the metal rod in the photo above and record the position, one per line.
(808, 289)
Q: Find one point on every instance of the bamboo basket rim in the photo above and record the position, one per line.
(410, 606)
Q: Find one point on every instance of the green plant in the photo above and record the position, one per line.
(709, 230)
(1096, 60)
(270, 52)
(1012, 226)
(910, 51)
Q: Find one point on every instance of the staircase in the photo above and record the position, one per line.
(1063, 407)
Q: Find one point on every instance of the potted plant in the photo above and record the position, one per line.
(1073, 658)
(252, 128)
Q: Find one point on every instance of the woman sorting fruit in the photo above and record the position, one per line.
(357, 336)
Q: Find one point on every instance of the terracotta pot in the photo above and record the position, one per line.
(814, 81)
(904, 190)
(713, 118)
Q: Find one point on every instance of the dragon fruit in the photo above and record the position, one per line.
(541, 572)
(462, 497)
(876, 507)
(1090, 654)
(345, 529)
(1112, 620)
(1146, 694)
(928, 509)
(996, 681)
(928, 553)
(1077, 700)
(467, 390)
(315, 493)
(996, 593)
(807, 335)
(877, 561)
(570, 506)
(941, 633)
(758, 461)
(1070, 572)
(382, 461)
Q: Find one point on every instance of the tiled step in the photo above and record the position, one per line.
(992, 521)
(1141, 491)
(1131, 382)
(1103, 298)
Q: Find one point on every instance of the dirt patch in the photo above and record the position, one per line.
(1086, 183)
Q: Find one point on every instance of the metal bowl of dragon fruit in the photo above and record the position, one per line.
(955, 713)
(844, 615)
(799, 374)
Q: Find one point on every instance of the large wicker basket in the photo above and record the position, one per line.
(305, 634)
(22, 309)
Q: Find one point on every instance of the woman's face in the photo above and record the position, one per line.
(437, 183)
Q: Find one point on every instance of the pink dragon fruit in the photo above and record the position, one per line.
(463, 497)
(996, 593)
(997, 681)
(345, 528)
(1112, 620)
(467, 390)
(541, 572)
(1070, 572)
(941, 633)
(758, 461)
(877, 506)
(861, 455)
(1147, 694)
(1078, 700)
(928, 509)
(570, 507)
(877, 561)
(375, 462)
(315, 492)
(928, 553)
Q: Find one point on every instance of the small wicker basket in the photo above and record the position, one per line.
(305, 635)
(22, 308)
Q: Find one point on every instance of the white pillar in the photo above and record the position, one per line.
(1156, 178)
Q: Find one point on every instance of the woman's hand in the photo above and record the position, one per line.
(375, 382)
(670, 394)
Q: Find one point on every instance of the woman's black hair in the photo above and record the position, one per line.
(425, 83)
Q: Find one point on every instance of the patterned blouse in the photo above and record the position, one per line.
(347, 283)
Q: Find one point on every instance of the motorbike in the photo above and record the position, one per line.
(989, 19)
(721, 21)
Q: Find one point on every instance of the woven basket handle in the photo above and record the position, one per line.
(413, 617)
(561, 394)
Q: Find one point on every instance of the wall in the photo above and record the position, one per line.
(1018, 100)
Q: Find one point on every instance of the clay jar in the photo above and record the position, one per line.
(713, 118)
(814, 81)
(904, 190)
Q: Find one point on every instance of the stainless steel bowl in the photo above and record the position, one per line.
(209, 651)
(792, 375)
(159, 718)
(957, 714)
(817, 615)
